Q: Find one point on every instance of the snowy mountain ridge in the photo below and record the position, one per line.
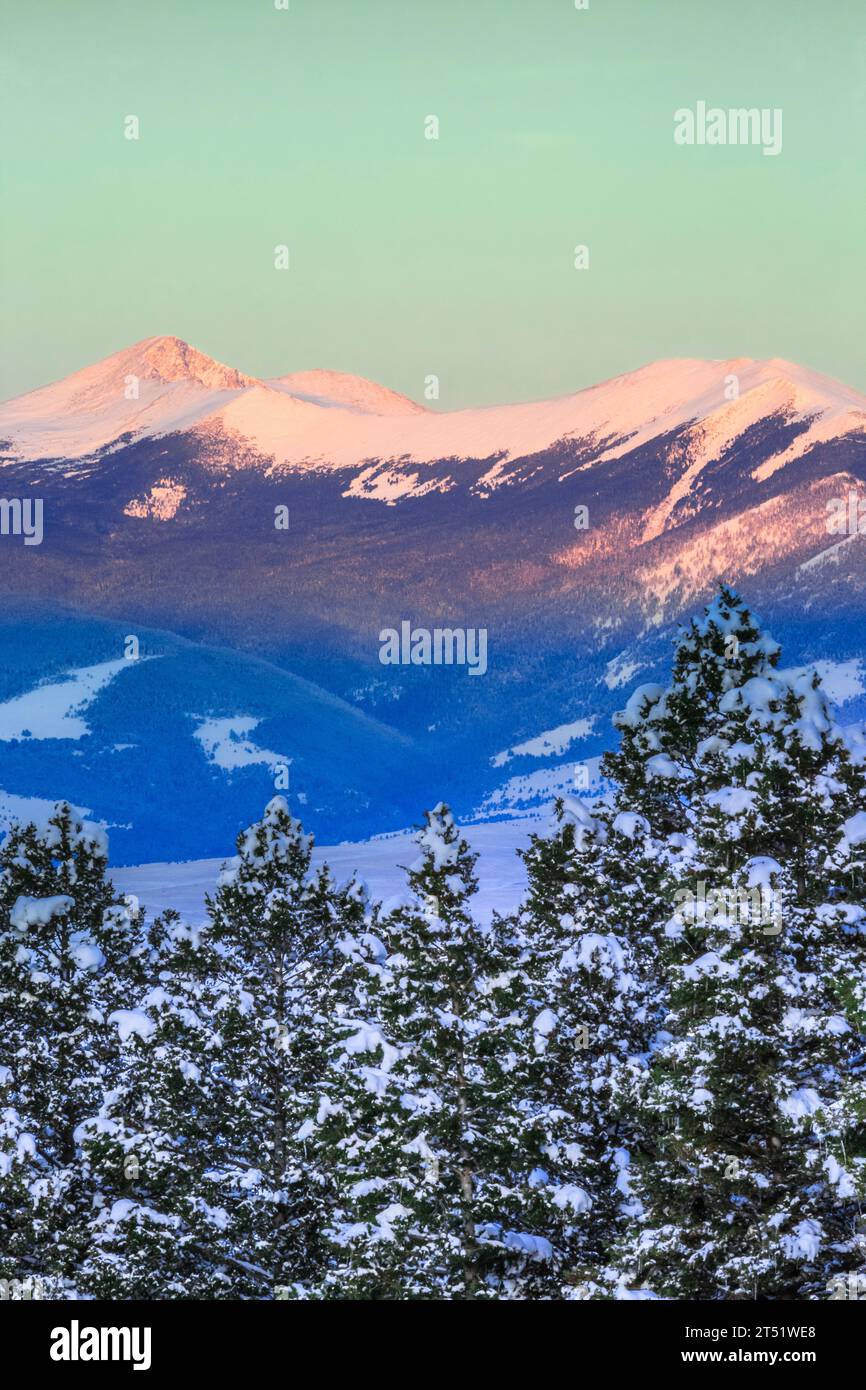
(335, 420)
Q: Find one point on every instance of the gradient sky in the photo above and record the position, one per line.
(411, 256)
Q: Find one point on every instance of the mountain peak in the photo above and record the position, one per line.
(342, 389)
(154, 386)
(171, 359)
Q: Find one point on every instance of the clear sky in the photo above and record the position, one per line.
(411, 256)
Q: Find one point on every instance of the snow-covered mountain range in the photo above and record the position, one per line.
(258, 535)
(335, 420)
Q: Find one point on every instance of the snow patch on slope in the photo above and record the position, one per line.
(226, 744)
(620, 670)
(537, 790)
(161, 503)
(54, 709)
(832, 555)
(388, 485)
(552, 741)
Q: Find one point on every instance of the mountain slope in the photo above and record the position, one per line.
(248, 516)
(185, 743)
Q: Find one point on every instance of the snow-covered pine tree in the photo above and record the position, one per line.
(436, 1146)
(590, 924)
(284, 934)
(157, 1231)
(663, 728)
(757, 1086)
(71, 950)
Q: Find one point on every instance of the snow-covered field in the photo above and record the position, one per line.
(500, 872)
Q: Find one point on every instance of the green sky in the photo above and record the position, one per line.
(412, 256)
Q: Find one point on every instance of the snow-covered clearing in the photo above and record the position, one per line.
(226, 743)
(550, 741)
(53, 710)
(500, 871)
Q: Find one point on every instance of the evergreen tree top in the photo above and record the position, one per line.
(444, 872)
(273, 854)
